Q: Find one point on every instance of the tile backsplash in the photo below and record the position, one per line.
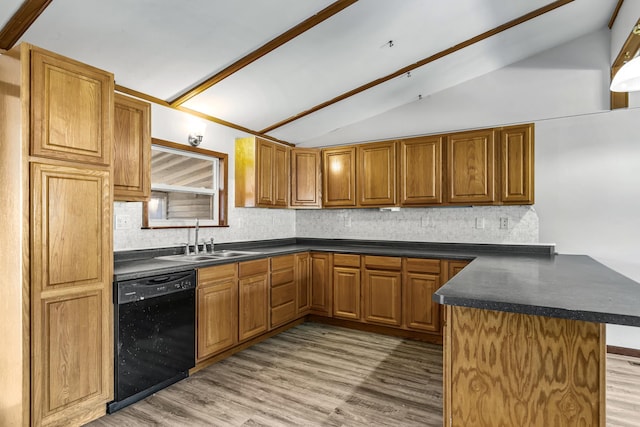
(459, 224)
(450, 224)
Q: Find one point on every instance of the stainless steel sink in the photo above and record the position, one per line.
(208, 256)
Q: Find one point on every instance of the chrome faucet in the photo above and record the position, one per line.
(195, 250)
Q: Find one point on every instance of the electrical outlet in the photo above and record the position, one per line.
(504, 223)
(479, 223)
(123, 222)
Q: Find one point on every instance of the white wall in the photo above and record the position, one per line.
(244, 224)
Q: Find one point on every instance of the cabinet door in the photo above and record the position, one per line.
(421, 313)
(454, 267)
(253, 306)
(217, 317)
(339, 176)
(421, 171)
(71, 303)
(264, 174)
(132, 149)
(471, 167)
(72, 109)
(321, 287)
(346, 293)
(283, 290)
(303, 283)
(382, 297)
(281, 176)
(377, 174)
(516, 165)
(305, 178)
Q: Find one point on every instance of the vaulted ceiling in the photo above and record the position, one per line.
(294, 70)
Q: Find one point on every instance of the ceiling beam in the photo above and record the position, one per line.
(21, 21)
(162, 102)
(283, 38)
(524, 18)
(614, 15)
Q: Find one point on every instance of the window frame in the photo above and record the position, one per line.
(221, 191)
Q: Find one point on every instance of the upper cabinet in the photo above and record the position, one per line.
(376, 174)
(68, 101)
(262, 173)
(132, 149)
(305, 178)
(471, 167)
(421, 171)
(339, 176)
(516, 165)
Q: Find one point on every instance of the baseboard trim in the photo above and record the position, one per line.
(623, 351)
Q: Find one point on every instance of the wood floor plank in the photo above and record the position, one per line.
(321, 375)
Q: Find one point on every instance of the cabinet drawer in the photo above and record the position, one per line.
(281, 277)
(383, 262)
(281, 262)
(420, 265)
(283, 294)
(346, 260)
(283, 313)
(251, 268)
(212, 274)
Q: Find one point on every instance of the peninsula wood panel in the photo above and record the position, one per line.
(339, 176)
(72, 109)
(376, 174)
(421, 171)
(516, 165)
(471, 167)
(516, 370)
(303, 283)
(321, 285)
(306, 181)
(217, 310)
(132, 149)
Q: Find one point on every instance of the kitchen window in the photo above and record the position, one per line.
(186, 183)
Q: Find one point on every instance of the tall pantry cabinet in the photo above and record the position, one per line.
(56, 294)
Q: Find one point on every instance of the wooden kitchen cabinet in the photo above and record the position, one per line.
(454, 267)
(382, 289)
(306, 180)
(321, 285)
(253, 295)
(303, 283)
(377, 174)
(471, 167)
(516, 165)
(420, 179)
(216, 310)
(262, 173)
(132, 149)
(421, 278)
(346, 286)
(339, 176)
(283, 290)
(71, 108)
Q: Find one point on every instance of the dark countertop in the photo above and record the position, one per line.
(527, 279)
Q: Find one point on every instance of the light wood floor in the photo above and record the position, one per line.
(319, 375)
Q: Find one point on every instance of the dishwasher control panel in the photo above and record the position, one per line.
(153, 286)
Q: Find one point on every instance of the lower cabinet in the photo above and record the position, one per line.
(283, 290)
(381, 286)
(253, 298)
(421, 279)
(346, 286)
(303, 283)
(217, 310)
(321, 286)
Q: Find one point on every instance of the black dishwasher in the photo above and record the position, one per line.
(154, 335)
